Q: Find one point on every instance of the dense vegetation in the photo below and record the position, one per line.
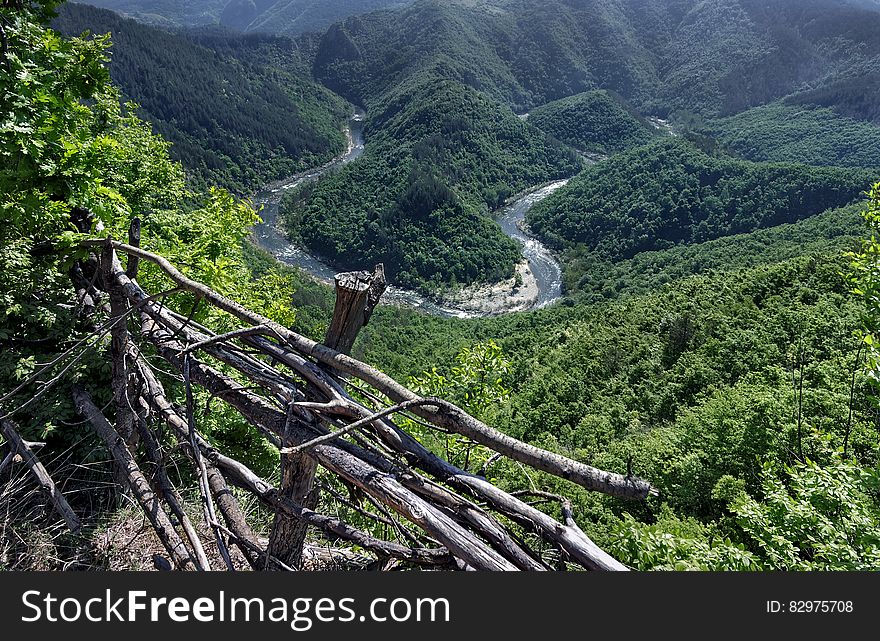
(590, 276)
(240, 111)
(522, 53)
(670, 193)
(293, 17)
(73, 163)
(853, 97)
(810, 135)
(594, 121)
(167, 12)
(439, 157)
(709, 386)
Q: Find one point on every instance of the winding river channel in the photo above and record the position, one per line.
(268, 234)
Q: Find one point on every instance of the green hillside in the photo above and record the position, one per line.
(806, 134)
(716, 57)
(592, 121)
(166, 12)
(240, 112)
(590, 276)
(291, 17)
(669, 193)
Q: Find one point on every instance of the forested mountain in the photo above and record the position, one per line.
(591, 276)
(798, 133)
(670, 193)
(240, 110)
(439, 156)
(175, 13)
(716, 57)
(594, 121)
(291, 17)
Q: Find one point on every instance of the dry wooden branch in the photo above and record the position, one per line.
(298, 471)
(171, 495)
(326, 438)
(155, 398)
(7, 459)
(222, 338)
(357, 294)
(204, 489)
(242, 476)
(122, 382)
(577, 544)
(19, 447)
(143, 493)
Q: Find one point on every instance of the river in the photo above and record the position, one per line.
(542, 264)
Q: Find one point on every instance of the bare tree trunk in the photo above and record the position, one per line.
(357, 294)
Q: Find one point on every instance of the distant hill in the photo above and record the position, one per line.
(799, 133)
(669, 193)
(178, 13)
(293, 17)
(240, 110)
(593, 121)
(289, 17)
(714, 57)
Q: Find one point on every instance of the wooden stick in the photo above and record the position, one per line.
(172, 496)
(19, 446)
(326, 438)
(222, 338)
(134, 239)
(141, 489)
(204, 489)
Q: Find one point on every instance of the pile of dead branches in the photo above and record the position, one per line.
(299, 395)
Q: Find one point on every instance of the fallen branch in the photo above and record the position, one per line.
(144, 495)
(171, 495)
(204, 489)
(19, 447)
(326, 438)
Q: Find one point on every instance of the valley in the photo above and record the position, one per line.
(637, 234)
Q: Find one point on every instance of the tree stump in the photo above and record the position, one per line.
(357, 294)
